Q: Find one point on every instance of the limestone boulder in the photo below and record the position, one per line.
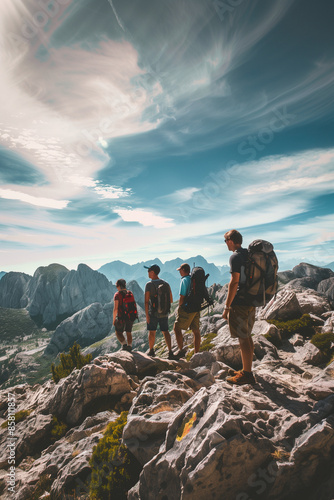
(309, 354)
(313, 302)
(157, 401)
(73, 394)
(284, 307)
(327, 288)
(66, 461)
(202, 450)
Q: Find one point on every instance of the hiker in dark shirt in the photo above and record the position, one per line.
(153, 316)
(240, 315)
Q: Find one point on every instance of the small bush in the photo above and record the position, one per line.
(303, 325)
(114, 469)
(68, 362)
(58, 429)
(323, 342)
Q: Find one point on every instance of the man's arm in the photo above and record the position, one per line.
(232, 290)
(115, 311)
(147, 300)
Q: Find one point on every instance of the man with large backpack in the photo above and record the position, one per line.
(158, 298)
(125, 312)
(253, 283)
(186, 320)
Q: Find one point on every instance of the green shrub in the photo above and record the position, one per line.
(323, 342)
(114, 469)
(303, 325)
(58, 429)
(68, 362)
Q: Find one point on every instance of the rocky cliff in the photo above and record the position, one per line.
(13, 287)
(54, 293)
(195, 435)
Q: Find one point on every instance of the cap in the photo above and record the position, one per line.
(155, 268)
(185, 267)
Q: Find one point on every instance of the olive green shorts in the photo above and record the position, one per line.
(241, 321)
(185, 320)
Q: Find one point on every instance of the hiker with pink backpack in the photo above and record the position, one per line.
(125, 313)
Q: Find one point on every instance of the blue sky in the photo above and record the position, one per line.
(137, 129)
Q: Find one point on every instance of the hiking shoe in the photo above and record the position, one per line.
(233, 372)
(124, 347)
(171, 355)
(181, 353)
(151, 352)
(129, 348)
(242, 378)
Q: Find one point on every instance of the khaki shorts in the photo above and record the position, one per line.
(185, 320)
(241, 321)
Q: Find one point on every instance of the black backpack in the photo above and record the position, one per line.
(160, 301)
(261, 273)
(198, 297)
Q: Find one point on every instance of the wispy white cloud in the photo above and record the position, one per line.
(144, 217)
(33, 200)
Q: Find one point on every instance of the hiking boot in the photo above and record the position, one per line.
(242, 378)
(233, 372)
(151, 352)
(124, 347)
(181, 353)
(129, 348)
(171, 355)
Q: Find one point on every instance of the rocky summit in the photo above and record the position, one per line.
(194, 435)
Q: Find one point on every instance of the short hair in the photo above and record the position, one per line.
(121, 283)
(234, 235)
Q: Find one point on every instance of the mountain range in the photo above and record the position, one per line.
(118, 269)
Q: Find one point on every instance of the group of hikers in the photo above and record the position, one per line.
(239, 309)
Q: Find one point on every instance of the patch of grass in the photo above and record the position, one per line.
(114, 469)
(303, 325)
(19, 417)
(323, 342)
(280, 455)
(44, 484)
(206, 345)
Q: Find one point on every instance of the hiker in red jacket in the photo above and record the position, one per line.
(124, 315)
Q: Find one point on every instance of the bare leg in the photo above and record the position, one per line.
(168, 340)
(120, 337)
(129, 337)
(197, 340)
(247, 351)
(178, 336)
(151, 338)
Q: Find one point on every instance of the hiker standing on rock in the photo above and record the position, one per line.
(125, 312)
(158, 298)
(185, 320)
(240, 315)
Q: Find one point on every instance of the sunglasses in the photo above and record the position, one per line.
(227, 239)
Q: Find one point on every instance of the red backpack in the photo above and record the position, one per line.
(128, 306)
